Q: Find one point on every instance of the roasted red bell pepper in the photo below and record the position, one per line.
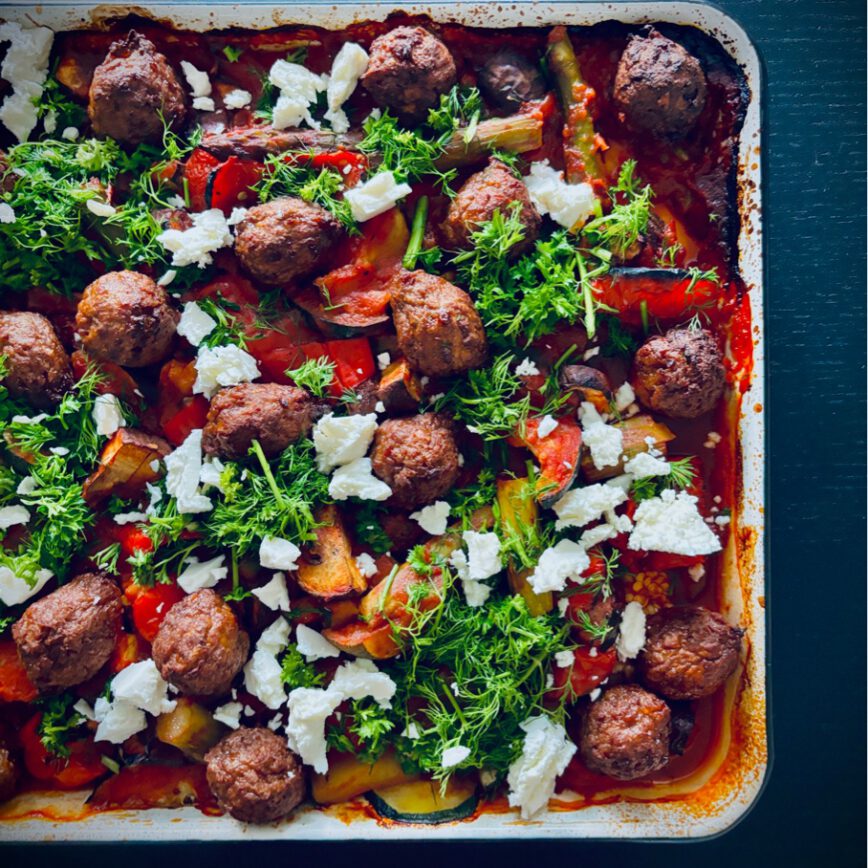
(229, 185)
(197, 171)
(191, 415)
(590, 668)
(15, 686)
(151, 605)
(82, 766)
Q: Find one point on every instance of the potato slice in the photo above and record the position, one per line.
(125, 465)
(327, 568)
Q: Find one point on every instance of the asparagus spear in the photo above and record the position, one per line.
(580, 138)
(517, 134)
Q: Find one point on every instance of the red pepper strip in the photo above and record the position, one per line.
(229, 184)
(83, 765)
(192, 415)
(15, 686)
(585, 673)
(197, 171)
(151, 605)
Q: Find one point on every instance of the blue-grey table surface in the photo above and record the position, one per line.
(812, 811)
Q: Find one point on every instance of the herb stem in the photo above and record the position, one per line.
(417, 234)
(266, 470)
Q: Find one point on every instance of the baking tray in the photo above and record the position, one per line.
(725, 787)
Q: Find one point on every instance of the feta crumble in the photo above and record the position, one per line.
(12, 515)
(237, 99)
(643, 465)
(183, 467)
(341, 439)
(526, 368)
(210, 232)
(313, 645)
(299, 89)
(25, 67)
(580, 506)
(262, 673)
(100, 209)
(274, 593)
(223, 366)
(7, 215)
(367, 565)
(476, 593)
(229, 714)
(566, 560)
(375, 196)
(348, 67)
(454, 756)
(200, 84)
(672, 523)
(107, 415)
(631, 633)
(433, 518)
(198, 574)
(356, 479)
(483, 554)
(278, 554)
(16, 589)
(605, 442)
(567, 204)
(195, 324)
(547, 425)
(624, 397)
(383, 361)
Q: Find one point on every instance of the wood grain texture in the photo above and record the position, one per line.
(812, 812)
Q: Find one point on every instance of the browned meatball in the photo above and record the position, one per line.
(37, 365)
(507, 79)
(417, 457)
(439, 330)
(689, 652)
(66, 637)
(680, 373)
(285, 239)
(272, 414)
(131, 89)
(126, 318)
(254, 775)
(625, 733)
(8, 774)
(199, 647)
(659, 87)
(408, 71)
(495, 188)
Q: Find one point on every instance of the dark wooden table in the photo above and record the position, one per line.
(812, 812)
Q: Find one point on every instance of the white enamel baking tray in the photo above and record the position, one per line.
(726, 787)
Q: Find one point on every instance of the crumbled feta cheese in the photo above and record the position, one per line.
(58, 450)
(595, 535)
(84, 709)
(276, 722)
(566, 560)
(590, 353)
(526, 368)
(274, 637)
(107, 415)
(209, 232)
(545, 755)
(564, 659)
(367, 565)
(356, 479)
(262, 673)
(475, 593)
(454, 756)
(211, 473)
(299, 88)
(411, 731)
(229, 714)
(624, 397)
(375, 196)
(567, 204)
(15, 589)
(379, 407)
(7, 215)
(721, 520)
(348, 67)
(204, 104)
(342, 439)
(595, 694)
(117, 720)
(563, 605)
(183, 467)
(25, 67)
(70, 134)
(546, 426)
(672, 523)
(605, 442)
(696, 572)
(100, 209)
(141, 685)
(483, 554)
(49, 121)
(223, 366)
(12, 515)
(26, 486)
(195, 324)
(643, 465)
(313, 645)
(274, 594)
(580, 506)
(357, 679)
(197, 575)
(200, 84)
(433, 518)
(123, 518)
(167, 278)
(278, 554)
(383, 361)
(237, 99)
(631, 632)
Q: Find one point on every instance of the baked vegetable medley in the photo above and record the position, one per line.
(368, 405)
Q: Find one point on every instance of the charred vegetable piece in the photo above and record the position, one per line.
(349, 777)
(517, 135)
(189, 727)
(422, 801)
(125, 465)
(327, 568)
(634, 431)
(588, 383)
(154, 786)
(400, 389)
(518, 512)
(558, 454)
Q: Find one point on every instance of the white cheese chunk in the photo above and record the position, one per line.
(367, 565)
(7, 215)
(262, 673)
(376, 196)
(117, 720)
(605, 442)
(299, 88)
(483, 554)
(342, 439)
(204, 104)
(433, 518)
(309, 707)
(624, 397)
(211, 474)
(383, 361)
(567, 204)
(580, 506)
(631, 631)
(195, 324)
(16, 589)
(643, 465)
(107, 415)
(200, 84)
(183, 467)
(129, 517)
(547, 425)
(229, 714)
(348, 67)
(237, 99)
(141, 685)
(100, 209)
(196, 575)
(278, 554)
(526, 368)
(12, 515)
(566, 560)
(454, 756)
(546, 752)
(356, 479)
(595, 535)
(672, 523)
(25, 67)
(223, 366)
(564, 659)
(357, 679)
(274, 593)
(313, 645)
(167, 277)
(476, 593)
(210, 232)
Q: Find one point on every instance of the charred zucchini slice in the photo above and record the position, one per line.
(422, 801)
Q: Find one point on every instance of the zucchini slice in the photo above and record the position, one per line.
(422, 802)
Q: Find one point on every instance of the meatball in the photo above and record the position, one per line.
(254, 776)
(689, 652)
(274, 415)
(131, 89)
(199, 647)
(408, 71)
(66, 637)
(285, 240)
(659, 88)
(508, 79)
(126, 318)
(495, 188)
(8, 774)
(37, 365)
(438, 328)
(417, 457)
(680, 373)
(625, 733)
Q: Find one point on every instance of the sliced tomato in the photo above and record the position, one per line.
(15, 686)
(590, 668)
(191, 416)
(229, 185)
(197, 173)
(151, 605)
(82, 766)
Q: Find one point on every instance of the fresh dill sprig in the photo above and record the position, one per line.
(229, 329)
(369, 527)
(681, 476)
(465, 502)
(315, 375)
